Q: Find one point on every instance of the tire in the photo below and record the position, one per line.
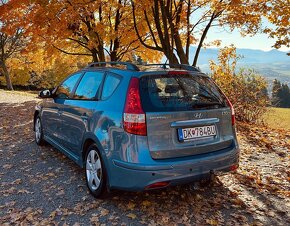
(38, 132)
(95, 172)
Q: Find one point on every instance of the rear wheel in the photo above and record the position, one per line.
(95, 172)
(38, 132)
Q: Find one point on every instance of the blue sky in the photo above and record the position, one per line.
(259, 41)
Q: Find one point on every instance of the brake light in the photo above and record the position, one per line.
(178, 73)
(134, 116)
(232, 110)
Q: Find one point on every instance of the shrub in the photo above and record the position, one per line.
(246, 89)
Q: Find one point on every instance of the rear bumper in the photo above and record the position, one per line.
(136, 177)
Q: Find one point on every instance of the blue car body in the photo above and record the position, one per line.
(132, 161)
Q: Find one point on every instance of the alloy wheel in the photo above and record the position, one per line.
(93, 170)
(37, 130)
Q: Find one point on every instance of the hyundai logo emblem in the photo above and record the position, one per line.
(197, 115)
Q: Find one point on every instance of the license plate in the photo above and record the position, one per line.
(196, 132)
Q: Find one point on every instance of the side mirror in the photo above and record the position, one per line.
(45, 94)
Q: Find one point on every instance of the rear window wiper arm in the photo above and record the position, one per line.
(205, 104)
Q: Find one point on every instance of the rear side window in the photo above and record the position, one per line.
(64, 90)
(89, 86)
(182, 92)
(110, 85)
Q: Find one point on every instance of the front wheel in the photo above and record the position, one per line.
(95, 172)
(38, 132)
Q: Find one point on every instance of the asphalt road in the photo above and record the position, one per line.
(39, 185)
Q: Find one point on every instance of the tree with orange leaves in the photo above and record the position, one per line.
(102, 30)
(278, 14)
(79, 27)
(118, 29)
(9, 46)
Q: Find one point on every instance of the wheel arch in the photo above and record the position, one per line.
(86, 144)
(36, 113)
(90, 139)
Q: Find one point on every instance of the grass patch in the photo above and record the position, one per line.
(278, 118)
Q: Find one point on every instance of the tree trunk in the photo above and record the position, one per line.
(101, 52)
(113, 53)
(179, 49)
(113, 56)
(7, 76)
(95, 55)
(175, 31)
(172, 58)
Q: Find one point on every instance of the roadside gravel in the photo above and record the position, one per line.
(16, 97)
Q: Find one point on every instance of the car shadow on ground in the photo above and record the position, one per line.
(180, 204)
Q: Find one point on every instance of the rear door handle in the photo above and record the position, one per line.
(195, 122)
(84, 116)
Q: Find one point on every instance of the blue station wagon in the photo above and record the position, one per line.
(139, 127)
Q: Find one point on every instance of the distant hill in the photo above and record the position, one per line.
(271, 64)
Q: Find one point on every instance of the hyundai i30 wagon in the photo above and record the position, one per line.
(139, 128)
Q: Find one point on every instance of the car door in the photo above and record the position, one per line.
(78, 111)
(52, 110)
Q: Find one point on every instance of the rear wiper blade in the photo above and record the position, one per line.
(207, 105)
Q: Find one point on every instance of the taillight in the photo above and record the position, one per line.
(134, 116)
(232, 110)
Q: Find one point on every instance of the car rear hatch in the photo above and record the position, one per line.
(186, 114)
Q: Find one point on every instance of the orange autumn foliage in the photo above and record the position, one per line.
(77, 27)
(246, 89)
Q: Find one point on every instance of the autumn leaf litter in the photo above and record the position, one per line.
(40, 186)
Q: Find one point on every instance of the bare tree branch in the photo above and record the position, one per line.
(69, 53)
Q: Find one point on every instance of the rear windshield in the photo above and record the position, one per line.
(182, 92)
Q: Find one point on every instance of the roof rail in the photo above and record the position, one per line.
(129, 66)
(180, 66)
